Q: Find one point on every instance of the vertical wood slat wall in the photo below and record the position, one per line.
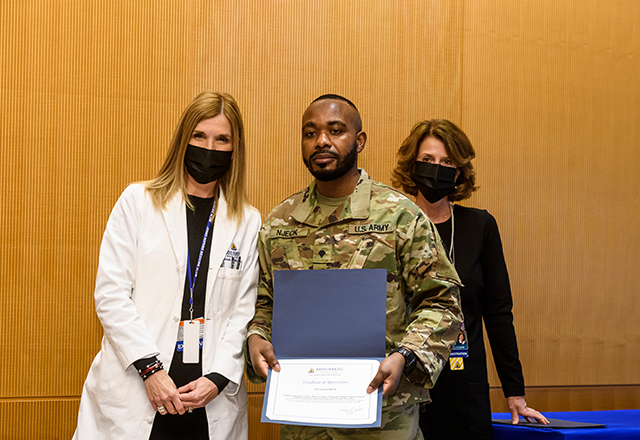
(550, 98)
(547, 91)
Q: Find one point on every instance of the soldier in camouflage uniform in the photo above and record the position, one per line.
(346, 220)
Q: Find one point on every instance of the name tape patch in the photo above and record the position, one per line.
(371, 227)
(289, 232)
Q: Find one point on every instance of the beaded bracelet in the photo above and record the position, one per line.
(150, 369)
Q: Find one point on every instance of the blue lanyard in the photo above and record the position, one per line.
(192, 282)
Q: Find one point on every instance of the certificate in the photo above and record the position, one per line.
(328, 334)
(323, 392)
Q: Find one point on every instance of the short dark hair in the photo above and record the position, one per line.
(334, 96)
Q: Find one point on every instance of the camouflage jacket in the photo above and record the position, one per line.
(375, 227)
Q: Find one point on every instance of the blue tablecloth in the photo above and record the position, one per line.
(619, 425)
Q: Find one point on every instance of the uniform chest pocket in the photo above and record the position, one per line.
(374, 251)
(285, 254)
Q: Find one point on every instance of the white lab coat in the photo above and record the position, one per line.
(139, 289)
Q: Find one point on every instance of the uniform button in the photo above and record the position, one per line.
(176, 317)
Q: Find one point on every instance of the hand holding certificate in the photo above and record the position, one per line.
(329, 335)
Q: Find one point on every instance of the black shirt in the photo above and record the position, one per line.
(192, 425)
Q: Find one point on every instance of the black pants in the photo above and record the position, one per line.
(193, 426)
(459, 409)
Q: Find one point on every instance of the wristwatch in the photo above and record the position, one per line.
(409, 359)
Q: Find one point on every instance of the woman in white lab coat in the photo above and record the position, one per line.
(175, 288)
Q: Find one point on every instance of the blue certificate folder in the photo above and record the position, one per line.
(333, 313)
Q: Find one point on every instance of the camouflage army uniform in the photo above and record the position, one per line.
(375, 227)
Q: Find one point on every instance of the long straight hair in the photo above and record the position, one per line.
(172, 177)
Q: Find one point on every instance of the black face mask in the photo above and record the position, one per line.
(434, 181)
(205, 165)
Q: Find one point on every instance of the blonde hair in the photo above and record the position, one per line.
(172, 177)
(459, 150)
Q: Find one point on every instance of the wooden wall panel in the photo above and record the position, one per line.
(551, 104)
(47, 419)
(577, 398)
(258, 430)
(275, 59)
(90, 93)
(81, 119)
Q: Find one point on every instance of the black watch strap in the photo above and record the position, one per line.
(410, 360)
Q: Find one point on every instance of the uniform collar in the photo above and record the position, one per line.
(356, 206)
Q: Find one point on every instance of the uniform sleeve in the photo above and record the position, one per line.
(261, 322)
(433, 296)
(497, 312)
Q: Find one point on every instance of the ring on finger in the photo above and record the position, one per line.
(162, 409)
(190, 409)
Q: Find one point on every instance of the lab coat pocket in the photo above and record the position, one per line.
(233, 274)
(106, 378)
(225, 289)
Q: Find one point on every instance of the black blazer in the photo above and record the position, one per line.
(460, 405)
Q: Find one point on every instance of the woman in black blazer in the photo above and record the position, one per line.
(434, 164)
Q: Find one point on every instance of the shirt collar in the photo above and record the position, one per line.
(355, 207)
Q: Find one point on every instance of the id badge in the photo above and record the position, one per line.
(181, 343)
(191, 347)
(461, 347)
